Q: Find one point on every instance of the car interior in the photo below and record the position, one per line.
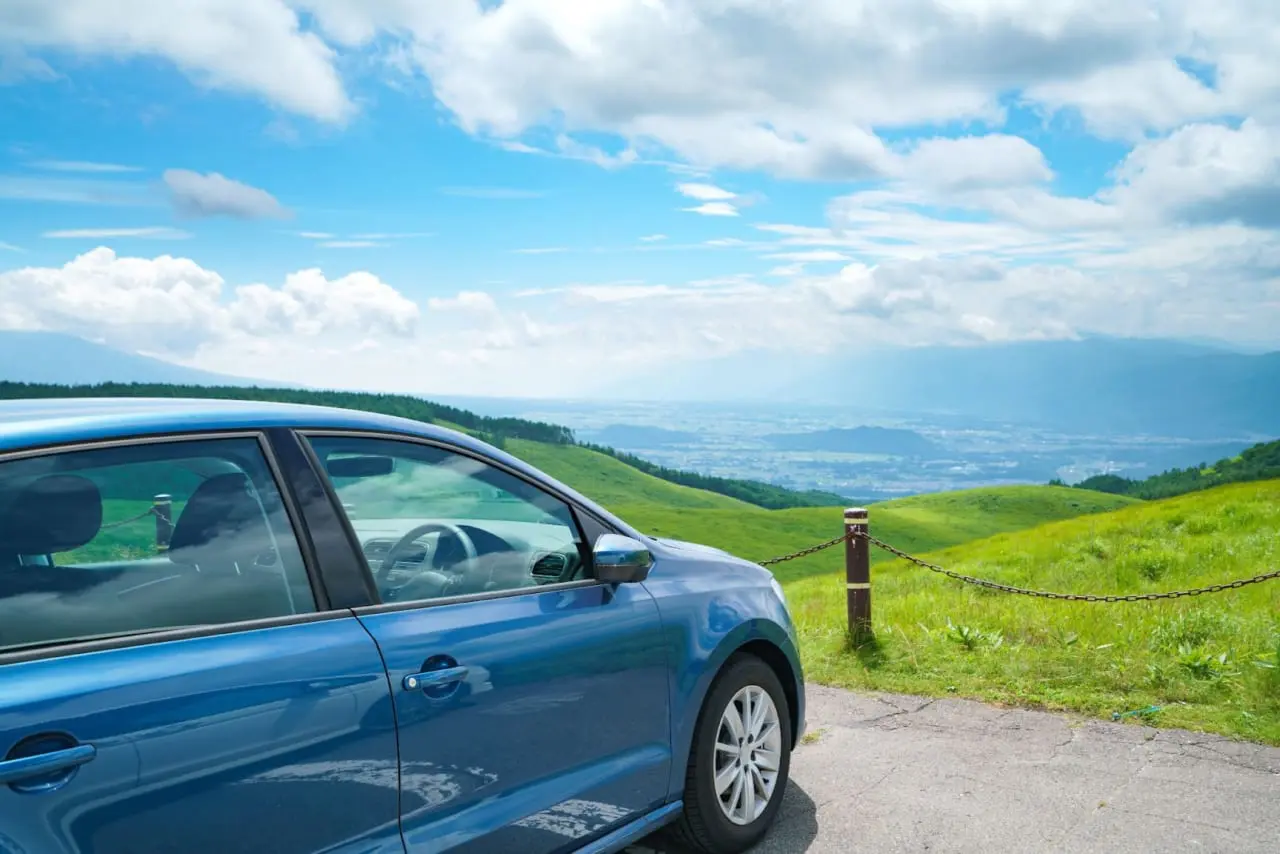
(224, 563)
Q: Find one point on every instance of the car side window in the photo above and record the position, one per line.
(435, 523)
(135, 538)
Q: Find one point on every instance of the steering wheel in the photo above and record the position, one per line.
(402, 545)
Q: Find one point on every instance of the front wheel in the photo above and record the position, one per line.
(739, 762)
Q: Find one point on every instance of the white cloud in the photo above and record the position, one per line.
(653, 238)
(705, 192)
(794, 87)
(156, 232)
(247, 46)
(714, 209)
(1205, 173)
(972, 162)
(175, 307)
(358, 331)
(316, 235)
(351, 244)
(9, 247)
(466, 301)
(810, 256)
(197, 195)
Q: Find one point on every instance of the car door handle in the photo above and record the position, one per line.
(434, 678)
(16, 770)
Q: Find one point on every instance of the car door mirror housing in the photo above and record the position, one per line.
(621, 560)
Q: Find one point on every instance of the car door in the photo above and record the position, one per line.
(532, 701)
(171, 679)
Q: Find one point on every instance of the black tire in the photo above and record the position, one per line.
(704, 825)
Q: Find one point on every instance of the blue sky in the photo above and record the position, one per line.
(475, 197)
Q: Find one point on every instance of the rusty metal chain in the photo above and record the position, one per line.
(1074, 597)
(116, 524)
(806, 552)
(1008, 588)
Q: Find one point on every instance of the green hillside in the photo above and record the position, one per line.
(1212, 661)
(920, 523)
(612, 482)
(1261, 462)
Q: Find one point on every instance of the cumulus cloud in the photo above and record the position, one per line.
(195, 195)
(173, 305)
(247, 46)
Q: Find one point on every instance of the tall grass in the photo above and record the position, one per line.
(1211, 662)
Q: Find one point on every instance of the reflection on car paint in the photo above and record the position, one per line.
(576, 818)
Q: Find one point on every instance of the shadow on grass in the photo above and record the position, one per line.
(793, 830)
(868, 650)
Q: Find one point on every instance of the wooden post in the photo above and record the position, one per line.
(162, 508)
(857, 571)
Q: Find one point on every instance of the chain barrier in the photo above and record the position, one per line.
(1023, 591)
(119, 522)
(806, 552)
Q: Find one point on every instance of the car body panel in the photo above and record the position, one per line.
(294, 719)
(713, 605)
(558, 731)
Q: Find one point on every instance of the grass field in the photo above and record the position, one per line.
(1212, 662)
(611, 482)
(920, 523)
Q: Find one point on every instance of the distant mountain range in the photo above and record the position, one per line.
(51, 357)
(1105, 385)
(1095, 385)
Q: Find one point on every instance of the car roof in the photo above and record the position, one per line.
(41, 422)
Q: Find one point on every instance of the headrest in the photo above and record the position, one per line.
(222, 521)
(56, 513)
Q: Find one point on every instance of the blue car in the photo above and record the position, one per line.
(243, 627)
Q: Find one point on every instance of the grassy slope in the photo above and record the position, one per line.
(1093, 657)
(925, 522)
(611, 482)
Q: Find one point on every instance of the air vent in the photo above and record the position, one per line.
(549, 565)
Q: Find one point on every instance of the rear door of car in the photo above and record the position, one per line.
(532, 701)
(174, 675)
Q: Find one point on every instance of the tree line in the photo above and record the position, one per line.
(1260, 462)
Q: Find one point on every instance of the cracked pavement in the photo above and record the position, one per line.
(892, 773)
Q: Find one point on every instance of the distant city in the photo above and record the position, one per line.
(864, 456)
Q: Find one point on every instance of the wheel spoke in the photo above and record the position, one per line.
(735, 796)
(732, 719)
(746, 802)
(767, 759)
(726, 776)
(726, 748)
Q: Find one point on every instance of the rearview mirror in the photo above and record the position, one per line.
(363, 466)
(621, 560)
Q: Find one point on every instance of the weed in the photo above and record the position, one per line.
(1205, 664)
(1190, 629)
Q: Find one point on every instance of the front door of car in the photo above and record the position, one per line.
(178, 689)
(532, 702)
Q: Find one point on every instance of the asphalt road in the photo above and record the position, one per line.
(888, 773)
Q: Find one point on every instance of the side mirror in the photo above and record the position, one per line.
(621, 560)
